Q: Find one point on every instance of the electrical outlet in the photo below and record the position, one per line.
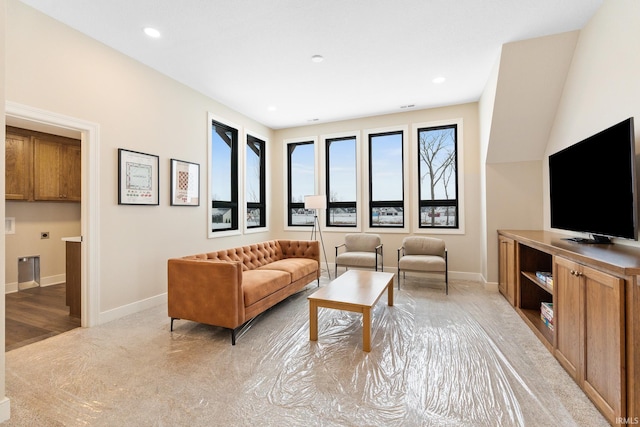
(44, 235)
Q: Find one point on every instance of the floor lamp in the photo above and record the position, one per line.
(315, 203)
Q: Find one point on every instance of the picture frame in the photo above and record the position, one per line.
(185, 183)
(138, 178)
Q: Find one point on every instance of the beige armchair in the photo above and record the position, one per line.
(425, 255)
(361, 250)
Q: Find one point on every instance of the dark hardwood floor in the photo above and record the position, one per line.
(36, 314)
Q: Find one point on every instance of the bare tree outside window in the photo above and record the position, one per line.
(438, 177)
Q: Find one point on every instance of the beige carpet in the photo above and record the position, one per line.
(436, 360)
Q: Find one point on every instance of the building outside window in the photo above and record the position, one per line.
(438, 177)
(386, 182)
(341, 167)
(224, 177)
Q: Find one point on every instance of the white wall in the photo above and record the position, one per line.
(59, 70)
(464, 248)
(32, 218)
(603, 84)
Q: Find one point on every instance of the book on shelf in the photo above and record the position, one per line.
(546, 277)
(546, 322)
(546, 313)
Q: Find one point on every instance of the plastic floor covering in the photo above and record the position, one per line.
(435, 360)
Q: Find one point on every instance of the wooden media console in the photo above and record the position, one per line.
(594, 297)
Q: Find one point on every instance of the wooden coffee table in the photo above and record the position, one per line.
(356, 291)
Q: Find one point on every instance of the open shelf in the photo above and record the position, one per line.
(535, 279)
(533, 291)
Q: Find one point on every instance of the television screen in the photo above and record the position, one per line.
(593, 184)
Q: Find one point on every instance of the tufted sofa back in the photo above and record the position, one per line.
(251, 256)
(259, 254)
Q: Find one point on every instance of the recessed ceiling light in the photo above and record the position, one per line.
(152, 32)
(438, 80)
(272, 108)
(317, 58)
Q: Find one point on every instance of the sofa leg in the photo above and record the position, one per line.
(318, 282)
(172, 319)
(233, 337)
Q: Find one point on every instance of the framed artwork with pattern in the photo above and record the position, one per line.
(138, 178)
(185, 183)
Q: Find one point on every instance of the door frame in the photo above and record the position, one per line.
(90, 204)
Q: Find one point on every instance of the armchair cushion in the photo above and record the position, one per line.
(361, 242)
(357, 259)
(415, 245)
(422, 263)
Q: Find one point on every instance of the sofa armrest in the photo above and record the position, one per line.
(206, 291)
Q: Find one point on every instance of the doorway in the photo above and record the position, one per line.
(44, 121)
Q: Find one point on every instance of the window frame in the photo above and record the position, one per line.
(416, 202)
(287, 180)
(367, 215)
(358, 170)
(264, 185)
(236, 180)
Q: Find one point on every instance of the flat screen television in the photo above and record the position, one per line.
(593, 186)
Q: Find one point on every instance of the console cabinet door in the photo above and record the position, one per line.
(507, 268)
(590, 341)
(568, 314)
(17, 173)
(604, 342)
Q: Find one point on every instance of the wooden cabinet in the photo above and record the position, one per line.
(18, 164)
(590, 332)
(41, 167)
(73, 278)
(596, 313)
(507, 268)
(56, 171)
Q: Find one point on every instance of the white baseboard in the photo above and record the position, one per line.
(5, 409)
(53, 280)
(44, 281)
(125, 310)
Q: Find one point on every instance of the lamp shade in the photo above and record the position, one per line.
(315, 202)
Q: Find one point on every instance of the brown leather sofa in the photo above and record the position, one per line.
(230, 287)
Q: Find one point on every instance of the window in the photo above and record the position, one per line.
(300, 182)
(438, 176)
(224, 177)
(386, 183)
(341, 181)
(255, 191)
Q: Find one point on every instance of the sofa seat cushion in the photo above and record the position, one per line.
(297, 268)
(258, 284)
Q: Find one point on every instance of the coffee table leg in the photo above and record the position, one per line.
(390, 293)
(366, 329)
(313, 321)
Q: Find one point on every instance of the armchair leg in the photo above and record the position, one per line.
(446, 282)
(398, 278)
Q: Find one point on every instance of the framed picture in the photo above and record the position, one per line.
(138, 178)
(185, 183)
